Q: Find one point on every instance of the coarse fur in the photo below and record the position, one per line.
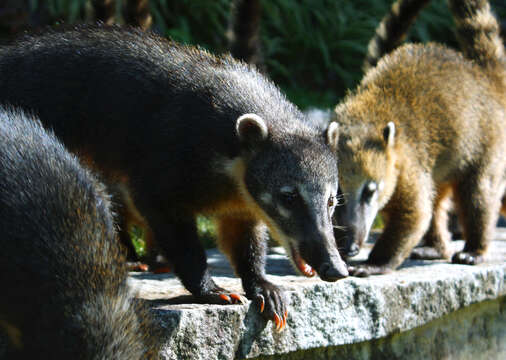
(183, 133)
(63, 275)
(392, 30)
(424, 121)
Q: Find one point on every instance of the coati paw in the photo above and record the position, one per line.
(137, 266)
(426, 253)
(367, 270)
(467, 258)
(272, 304)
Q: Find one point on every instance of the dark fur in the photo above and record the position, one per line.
(159, 119)
(64, 291)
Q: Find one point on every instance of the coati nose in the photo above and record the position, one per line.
(353, 250)
(333, 273)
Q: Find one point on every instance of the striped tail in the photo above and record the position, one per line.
(392, 30)
(478, 32)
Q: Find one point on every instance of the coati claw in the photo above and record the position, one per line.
(137, 266)
(239, 299)
(226, 298)
(262, 304)
(278, 322)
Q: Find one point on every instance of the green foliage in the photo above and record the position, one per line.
(313, 49)
(137, 235)
(206, 229)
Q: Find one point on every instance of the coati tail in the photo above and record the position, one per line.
(392, 30)
(478, 32)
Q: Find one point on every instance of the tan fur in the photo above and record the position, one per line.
(449, 116)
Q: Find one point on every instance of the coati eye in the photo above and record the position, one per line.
(369, 190)
(288, 194)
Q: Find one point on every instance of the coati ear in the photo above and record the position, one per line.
(333, 134)
(251, 128)
(389, 134)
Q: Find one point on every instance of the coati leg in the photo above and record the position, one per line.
(245, 242)
(435, 241)
(478, 200)
(408, 216)
(180, 243)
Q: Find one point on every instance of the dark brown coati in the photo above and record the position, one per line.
(184, 132)
(424, 120)
(62, 270)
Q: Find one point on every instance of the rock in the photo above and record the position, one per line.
(323, 315)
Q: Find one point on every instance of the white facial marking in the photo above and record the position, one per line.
(372, 186)
(266, 198)
(283, 211)
(287, 189)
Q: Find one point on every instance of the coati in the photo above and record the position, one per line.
(183, 132)
(427, 119)
(389, 35)
(63, 274)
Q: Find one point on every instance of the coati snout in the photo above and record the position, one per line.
(367, 165)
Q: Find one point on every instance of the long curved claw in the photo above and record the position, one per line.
(226, 298)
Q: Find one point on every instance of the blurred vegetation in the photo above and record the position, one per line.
(313, 49)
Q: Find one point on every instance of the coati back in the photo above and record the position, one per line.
(392, 30)
(423, 121)
(63, 276)
(185, 133)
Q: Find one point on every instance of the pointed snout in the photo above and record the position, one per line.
(323, 256)
(333, 271)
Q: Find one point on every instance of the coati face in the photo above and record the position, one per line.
(293, 180)
(366, 164)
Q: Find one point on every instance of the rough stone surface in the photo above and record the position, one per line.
(350, 311)
(476, 332)
(427, 309)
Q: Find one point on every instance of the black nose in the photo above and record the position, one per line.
(353, 250)
(333, 273)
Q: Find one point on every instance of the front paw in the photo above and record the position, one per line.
(272, 303)
(364, 270)
(467, 258)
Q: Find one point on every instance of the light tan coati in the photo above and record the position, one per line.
(424, 121)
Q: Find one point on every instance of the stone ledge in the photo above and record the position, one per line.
(321, 314)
